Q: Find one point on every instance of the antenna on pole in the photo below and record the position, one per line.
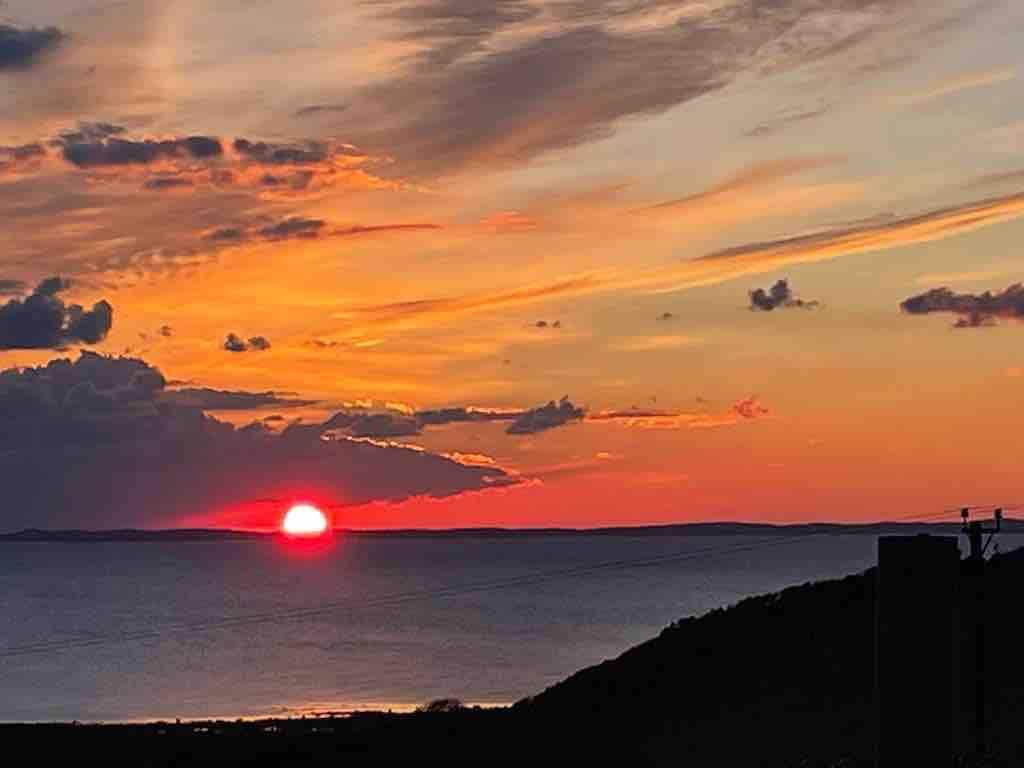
(974, 610)
(975, 531)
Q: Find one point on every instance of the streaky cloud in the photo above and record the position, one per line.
(972, 310)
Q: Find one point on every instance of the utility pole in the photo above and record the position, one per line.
(972, 679)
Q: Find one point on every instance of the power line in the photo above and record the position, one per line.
(298, 614)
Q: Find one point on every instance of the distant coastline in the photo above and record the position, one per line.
(1010, 526)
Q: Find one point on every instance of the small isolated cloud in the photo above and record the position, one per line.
(166, 331)
(546, 417)
(555, 324)
(973, 310)
(21, 47)
(666, 316)
(778, 296)
(749, 408)
(42, 320)
(235, 343)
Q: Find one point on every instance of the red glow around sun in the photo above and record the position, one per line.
(304, 520)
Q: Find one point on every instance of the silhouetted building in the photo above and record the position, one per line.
(915, 656)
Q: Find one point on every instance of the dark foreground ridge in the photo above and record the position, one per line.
(776, 681)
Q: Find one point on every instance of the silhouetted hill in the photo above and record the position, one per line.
(777, 681)
(784, 679)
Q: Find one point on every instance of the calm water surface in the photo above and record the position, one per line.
(486, 646)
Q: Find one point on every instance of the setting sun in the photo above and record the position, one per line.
(304, 520)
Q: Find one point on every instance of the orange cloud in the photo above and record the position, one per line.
(744, 410)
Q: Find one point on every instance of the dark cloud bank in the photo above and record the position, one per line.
(98, 442)
(390, 423)
(42, 320)
(973, 310)
(229, 400)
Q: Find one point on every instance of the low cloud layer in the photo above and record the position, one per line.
(107, 152)
(22, 47)
(12, 287)
(127, 454)
(295, 226)
(747, 409)
(779, 296)
(208, 399)
(546, 417)
(972, 310)
(92, 152)
(42, 320)
(388, 423)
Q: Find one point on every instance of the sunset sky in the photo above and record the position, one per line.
(717, 228)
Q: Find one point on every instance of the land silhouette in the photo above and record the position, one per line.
(779, 680)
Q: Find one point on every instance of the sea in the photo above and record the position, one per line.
(122, 631)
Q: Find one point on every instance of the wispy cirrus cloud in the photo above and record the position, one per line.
(956, 84)
(873, 234)
(656, 343)
(479, 92)
(747, 409)
(412, 312)
(751, 177)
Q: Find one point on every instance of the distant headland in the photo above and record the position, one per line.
(1010, 526)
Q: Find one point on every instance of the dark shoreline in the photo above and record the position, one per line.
(1010, 526)
(780, 680)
